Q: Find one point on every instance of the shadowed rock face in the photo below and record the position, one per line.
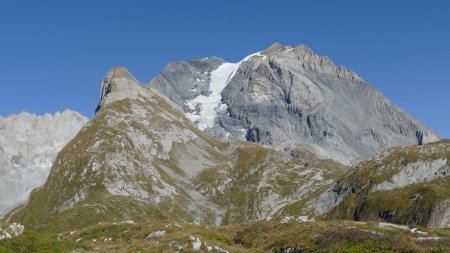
(284, 97)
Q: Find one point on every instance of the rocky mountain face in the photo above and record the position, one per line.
(28, 147)
(406, 185)
(141, 159)
(285, 97)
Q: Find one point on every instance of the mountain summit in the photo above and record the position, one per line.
(285, 97)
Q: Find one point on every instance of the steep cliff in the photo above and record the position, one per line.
(285, 97)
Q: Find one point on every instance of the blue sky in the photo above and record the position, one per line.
(54, 54)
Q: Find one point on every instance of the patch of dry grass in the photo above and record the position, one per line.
(261, 236)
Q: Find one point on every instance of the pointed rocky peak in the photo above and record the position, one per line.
(275, 47)
(305, 53)
(303, 47)
(300, 52)
(299, 49)
(119, 84)
(119, 72)
(112, 78)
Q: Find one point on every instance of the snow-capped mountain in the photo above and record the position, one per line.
(28, 147)
(285, 97)
(150, 152)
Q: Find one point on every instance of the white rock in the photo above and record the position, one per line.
(402, 227)
(304, 219)
(173, 225)
(435, 238)
(197, 244)
(220, 249)
(287, 219)
(156, 234)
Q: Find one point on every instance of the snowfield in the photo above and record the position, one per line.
(204, 108)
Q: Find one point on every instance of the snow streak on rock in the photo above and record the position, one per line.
(204, 108)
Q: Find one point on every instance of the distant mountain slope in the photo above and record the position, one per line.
(28, 146)
(285, 97)
(140, 158)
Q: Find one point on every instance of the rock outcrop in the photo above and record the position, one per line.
(406, 185)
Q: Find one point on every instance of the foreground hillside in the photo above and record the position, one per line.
(407, 185)
(263, 236)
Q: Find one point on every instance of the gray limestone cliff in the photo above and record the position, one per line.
(285, 97)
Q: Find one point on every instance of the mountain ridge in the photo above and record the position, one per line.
(140, 158)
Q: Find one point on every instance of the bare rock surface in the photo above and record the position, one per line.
(285, 97)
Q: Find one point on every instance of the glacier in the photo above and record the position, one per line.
(203, 108)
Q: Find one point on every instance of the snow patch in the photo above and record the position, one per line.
(203, 108)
